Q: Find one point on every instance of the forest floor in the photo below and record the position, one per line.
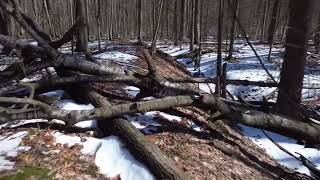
(47, 152)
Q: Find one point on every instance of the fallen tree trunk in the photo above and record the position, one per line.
(272, 122)
(234, 82)
(142, 149)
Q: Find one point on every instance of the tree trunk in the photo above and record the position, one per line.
(197, 22)
(5, 21)
(192, 25)
(47, 10)
(156, 30)
(317, 37)
(175, 23)
(219, 59)
(142, 149)
(292, 71)
(99, 23)
(139, 6)
(264, 20)
(274, 20)
(182, 19)
(233, 28)
(81, 35)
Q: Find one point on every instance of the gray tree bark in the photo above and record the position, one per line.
(81, 35)
(292, 71)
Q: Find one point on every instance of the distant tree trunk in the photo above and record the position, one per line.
(99, 23)
(283, 31)
(264, 20)
(219, 59)
(86, 2)
(274, 20)
(111, 25)
(292, 71)
(139, 6)
(156, 30)
(81, 35)
(71, 4)
(317, 37)
(197, 22)
(233, 28)
(175, 23)
(192, 25)
(5, 27)
(47, 9)
(273, 26)
(182, 19)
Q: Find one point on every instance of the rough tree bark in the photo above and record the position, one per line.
(292, 71)
(192, 25)
(5, 27)
(175, 23)
(274, 21)
(219, 58)
(233, 28)
(139, 9)
(317, 37)
(182, 19)
(197, 22)
(156, 30)
(81, 35)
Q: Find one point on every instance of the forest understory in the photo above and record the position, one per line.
(189, 136)
(194, 106)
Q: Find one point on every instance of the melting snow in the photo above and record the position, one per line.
(248, 68)
(111, 156)
(289, 144)
(116, 56)
(71, 105)
(9, 147)
(132, 91)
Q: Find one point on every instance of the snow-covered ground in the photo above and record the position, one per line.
(9, 147)
(111, 156)
(247, 67)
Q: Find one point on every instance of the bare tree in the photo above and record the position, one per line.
(233, 28)
(182, 19)
(140, 14)
(219, 58)
(274, 20)
(81, 35)
(197, 22)
(156, 30)
(317, 36)
(292, 71)
(5, 27)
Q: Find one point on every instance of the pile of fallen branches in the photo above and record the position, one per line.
(18, 102)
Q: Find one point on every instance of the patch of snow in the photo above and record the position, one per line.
(257, 136)
(21, 123)
(71, 105)
(114, 159)
(132, 91)
(56, 93)
(196, 127)
(9, 147)
(143, 121)
(170, 117)
(116, 56)
(207, 88)
(148, 98)
(247, 67)
(66, 140)
(111, 156)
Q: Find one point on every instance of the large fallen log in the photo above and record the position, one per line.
(159, 164)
